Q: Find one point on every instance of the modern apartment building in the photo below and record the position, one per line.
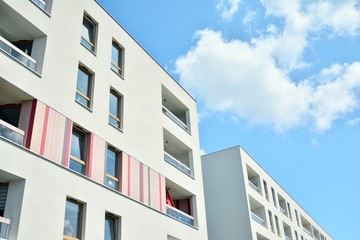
(244, 202)
(97, 140)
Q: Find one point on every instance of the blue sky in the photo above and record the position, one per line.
(280, 79)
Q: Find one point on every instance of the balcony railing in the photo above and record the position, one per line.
(254, 187)
(287, 238)
(41, 4)
(16, 53)
(307, 231)
(179, 215)
(4, 228)
(257, 219)
(283, 211)
(168, 113)
(12, 133)
(176, 163)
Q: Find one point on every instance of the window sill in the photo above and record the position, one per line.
(119, 129)
(93, 52)
(121, 76)
(86, 107)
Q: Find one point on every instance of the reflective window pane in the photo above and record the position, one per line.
(77, 167)
(115, 55)
(114, 104)
(111, 162)
(87, 30)
(110, 227)
(77, 145)
(72, 219)
(83, 82)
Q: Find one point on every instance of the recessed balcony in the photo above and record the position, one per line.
(174, 109)
(257, 212)
(177, 153)
(20, 39)
(179, 203)
(282, 205)
(306, 226)
(253, 180)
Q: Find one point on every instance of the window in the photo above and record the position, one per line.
(114, 109)
(117, 58)
(271, 221)
(297, 218)
(88, 33)
(266, 190)
(77, 154)
(84, 86)
(111, 227)
(277, 226)
(73, 220)
(273, 196)
(112, 168)
(289, 210)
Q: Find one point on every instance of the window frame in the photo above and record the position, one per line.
(118, 118)
(118, 67)
(116, 224)
(81, 214)
(87, 98)
(118, 162)
(85, 144)
(89, 44)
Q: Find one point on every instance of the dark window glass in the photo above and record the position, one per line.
(116, 58)
(110, 227)
(114, 110)
(87, 34)
(77, 159)
(83, 87)
(112, 168)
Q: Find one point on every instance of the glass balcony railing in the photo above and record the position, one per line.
(283, 211)
(4, 228)
(41, 4)
(179, 215)
(307, 231)
(257, 219)
(252, 185)
(176, 163)
(16, 53)
(287, 238)
(168, 113)
(12, 133)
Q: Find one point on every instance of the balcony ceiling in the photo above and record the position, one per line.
(11, 94)
(15, 27)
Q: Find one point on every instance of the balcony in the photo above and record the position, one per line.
(179, 215)
(287, 238)
(307, 231)
(251, 184)
(173, 108)
(177, 153)
(4, 228)
(170, 159)
(180, 203)
(12, 133)
(17, 54)
(257, 219)
(283, 211)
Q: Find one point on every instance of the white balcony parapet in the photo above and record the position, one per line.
(12, 133)
(4, 228)
(168, 113)
(257, 219)
(16, 53)
(254, 187)
(179, 215)
(176, 163)
(307, 231)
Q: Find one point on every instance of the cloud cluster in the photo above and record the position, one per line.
(251, 79)
(227, 8)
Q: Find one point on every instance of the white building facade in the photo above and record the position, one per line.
(97, 140)
(244, 202)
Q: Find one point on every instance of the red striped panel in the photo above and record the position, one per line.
(24, 120)
(97, 158)
(44, 129)
(68, 142)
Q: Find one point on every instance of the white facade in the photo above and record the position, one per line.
(244, 202)
(157, 136)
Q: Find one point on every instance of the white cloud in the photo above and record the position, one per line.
(250, 15)
(227, 8)
(353, 122)
(244, 79)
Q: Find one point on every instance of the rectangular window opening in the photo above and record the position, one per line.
(113, 165)
(111, 227)
(73, 220)
(115, 103)
(78, 151)
(88, 33)
(84, 87)
(117, 58)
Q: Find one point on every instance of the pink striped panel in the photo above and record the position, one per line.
(44, 129)
(135, 179)
(67, 142)
(97, 158)
(24, 120)
(90, 158)
(37, 128)
(124, 174)
(145, 184)
(154, 190)
(55, 134)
